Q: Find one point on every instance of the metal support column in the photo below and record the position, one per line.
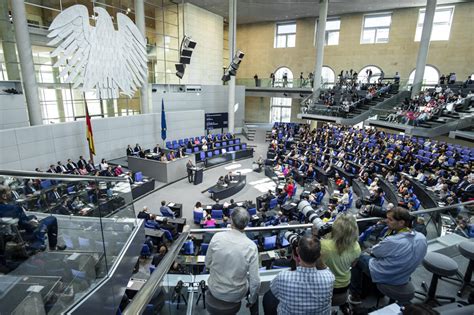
(232, 44)
(320, 34)
(30, 86)
(424, 47)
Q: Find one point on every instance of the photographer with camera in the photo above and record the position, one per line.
(306, 290)
(394, 259)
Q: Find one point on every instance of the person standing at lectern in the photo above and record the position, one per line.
(189, 168)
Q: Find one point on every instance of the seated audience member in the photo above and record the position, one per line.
(198, 208)
(82, 170)
(228, 178)
(71, 166)
(130, 150)
(159, 257)
(90, 167)
(209, 222)
(308, 289)
(34, 227)
(118, 170)
(217, 205)
(143, 214)
(51, 169)
(137, 148)
(163, 224)
(341, 250)
(81, 162)
(61, 169)
(166, 211)
(157, 149)
(103, 165)
(63, 208)
(128, 176)
(232, 260)
(221, 181)
(108, 172)
(394, 259)
(290, 188)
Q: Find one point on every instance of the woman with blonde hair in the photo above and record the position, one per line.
(340, 250)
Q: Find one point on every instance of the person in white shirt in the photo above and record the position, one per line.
(104, 165)
(198, 208)
(232, 259)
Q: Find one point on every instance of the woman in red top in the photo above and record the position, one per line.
(290, 188)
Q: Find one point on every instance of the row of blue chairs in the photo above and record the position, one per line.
(175, 144)
(217, 145)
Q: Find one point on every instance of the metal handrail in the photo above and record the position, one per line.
(141, 299)
(39, 175)
(308, 225)
(271, 228)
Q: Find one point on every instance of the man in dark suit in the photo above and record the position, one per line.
(90, 167)
(137, 148)
(157, 149)
(71, 166)
(228, 178)
(51, 169)
(61, 168)
(54, 196)
(189, 168)
(129, 150)
(217, 205)
(82, 162)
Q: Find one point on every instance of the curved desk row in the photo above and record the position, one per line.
(221, 192)
(391, 194)
(427, 198)
(360, 189)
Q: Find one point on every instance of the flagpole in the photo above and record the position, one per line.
(91, 155)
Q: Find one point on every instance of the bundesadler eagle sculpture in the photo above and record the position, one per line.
(99, 58)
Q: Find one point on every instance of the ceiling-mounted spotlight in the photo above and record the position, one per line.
(188, 42)
(185, 53)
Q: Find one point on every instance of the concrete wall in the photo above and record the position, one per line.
(455, 55)
(207, 29)
(211, 99)
(13, 111)
(40, 146)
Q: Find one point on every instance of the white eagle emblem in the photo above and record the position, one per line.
(99, 58)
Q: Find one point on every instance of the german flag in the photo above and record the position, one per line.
(90, 136)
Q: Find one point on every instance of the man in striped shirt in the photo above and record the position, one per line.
(308, 289)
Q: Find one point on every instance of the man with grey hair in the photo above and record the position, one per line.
(232, 259)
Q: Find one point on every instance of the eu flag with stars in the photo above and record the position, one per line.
(163, 120)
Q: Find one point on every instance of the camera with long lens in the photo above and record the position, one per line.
(373, 211)
(314, 217)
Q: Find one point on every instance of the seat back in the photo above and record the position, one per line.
(217, 214)
(252, 211)
(273, 203)
(197, 217)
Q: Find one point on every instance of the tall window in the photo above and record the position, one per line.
(285, 35)
(365, 76)
(332, 32)
(441, 24)
(280, 109)
(376, 28)
(328, 76)
(283, 77)
(430, 76)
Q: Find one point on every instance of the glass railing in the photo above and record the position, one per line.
(279, 83)
(60, 237)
